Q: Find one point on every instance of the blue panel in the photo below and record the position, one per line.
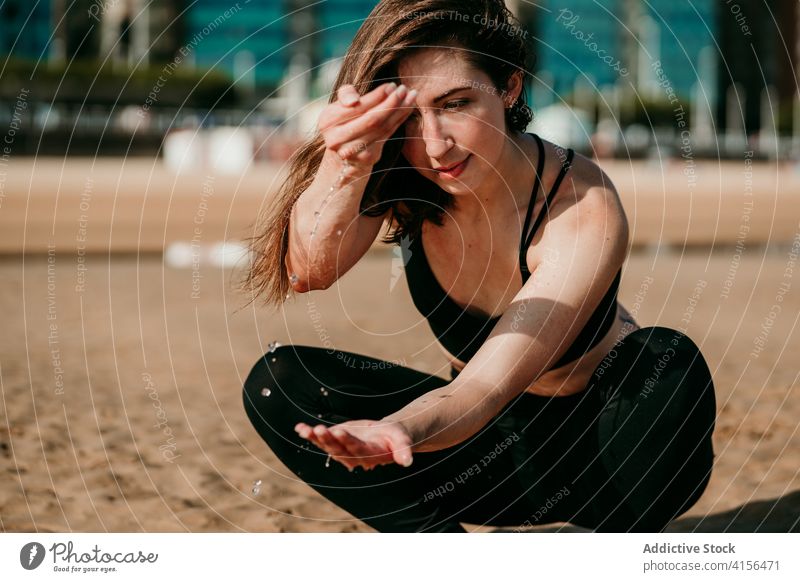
(25, 26)
(683, 36)
(573, 43)
(260, 28)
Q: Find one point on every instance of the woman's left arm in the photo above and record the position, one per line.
(583, 246)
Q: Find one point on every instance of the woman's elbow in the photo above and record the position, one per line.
(305, 280)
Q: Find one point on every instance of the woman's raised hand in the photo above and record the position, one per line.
(357, 126)
(361, 443)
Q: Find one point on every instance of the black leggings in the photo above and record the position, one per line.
(631, 452)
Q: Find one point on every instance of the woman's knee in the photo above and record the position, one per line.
(265, 374)
(272, 392)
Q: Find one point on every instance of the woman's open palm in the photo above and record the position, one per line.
(361, 443)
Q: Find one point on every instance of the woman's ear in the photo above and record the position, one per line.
(513, 89)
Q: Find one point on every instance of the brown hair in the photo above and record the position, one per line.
(490, 39)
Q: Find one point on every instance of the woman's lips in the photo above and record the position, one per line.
(456, 170)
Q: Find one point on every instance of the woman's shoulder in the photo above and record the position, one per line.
(586, 201)
(585, 185)
(584, 174)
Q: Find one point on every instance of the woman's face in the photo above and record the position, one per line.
(459, 119)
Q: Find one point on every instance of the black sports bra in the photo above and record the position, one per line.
(462, 333)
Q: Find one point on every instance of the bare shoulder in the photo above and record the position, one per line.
(587, 207)
(592, 186)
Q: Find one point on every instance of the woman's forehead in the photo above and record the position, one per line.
(434, 69)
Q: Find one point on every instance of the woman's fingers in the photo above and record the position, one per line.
(347, 95)
(330, 443)
(368, 452)
(324, 439)
(402, 456)
(360, 103)
(338, 113)
(376, 123)
(357, 127)
(359, 139)
(306, 432)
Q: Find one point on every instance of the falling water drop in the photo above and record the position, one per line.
(339, 232)
(272, 346)
(293, 278)
(328, 461)
(257, 487)
(274, 359)
(323, 390)
(266, 392)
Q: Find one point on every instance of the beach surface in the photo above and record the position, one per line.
(122, 406)
(121, 375)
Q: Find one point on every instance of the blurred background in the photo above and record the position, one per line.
(140, 139)
(210, 87)
(263, 66)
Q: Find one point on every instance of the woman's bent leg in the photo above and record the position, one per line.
(307, 384)
(651, 452)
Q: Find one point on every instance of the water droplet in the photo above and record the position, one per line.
(323, 390)
(319, 416)
(328, 461)
(272, 346)
(266, 392)
(339, 232)
(257, 487)
(293, 278)
(274, 359)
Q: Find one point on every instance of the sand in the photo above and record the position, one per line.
(121, 406)
(121, 391)
(138, 205)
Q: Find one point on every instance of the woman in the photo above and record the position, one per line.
(559, 408)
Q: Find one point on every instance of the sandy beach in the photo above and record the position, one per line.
(137, 205)
(121, 376)
(122, 404)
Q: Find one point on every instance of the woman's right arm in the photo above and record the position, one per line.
(355, 129)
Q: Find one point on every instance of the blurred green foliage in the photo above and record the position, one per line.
(97, 83)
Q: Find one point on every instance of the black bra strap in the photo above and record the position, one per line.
(534, 194)
(523, 249)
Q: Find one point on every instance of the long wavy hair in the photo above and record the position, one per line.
(489, 38)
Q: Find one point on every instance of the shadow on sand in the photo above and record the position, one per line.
(780, 515)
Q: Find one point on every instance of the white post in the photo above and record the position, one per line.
(244, 71)
(296, 90)
(735, 138)
(768, 134)
(704, 98)
(140, 33)
(649, 53)
(796, 126)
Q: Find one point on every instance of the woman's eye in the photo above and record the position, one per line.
(456, 104)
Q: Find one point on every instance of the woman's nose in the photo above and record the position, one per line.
(437, 143)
